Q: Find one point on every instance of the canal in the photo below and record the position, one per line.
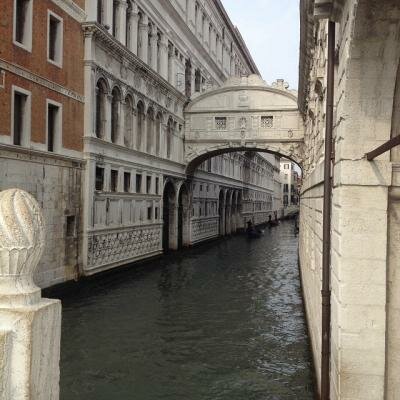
(223, 321)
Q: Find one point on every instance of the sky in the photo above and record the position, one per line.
(270, 29)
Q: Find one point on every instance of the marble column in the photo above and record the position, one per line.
(120, 31)
(154, 49)
(171, 66)
(108, 14)
(121, 123)
(107, 116)
(143, 38)
(164, 57)
(133, 28)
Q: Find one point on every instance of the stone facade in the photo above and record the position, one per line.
(141, 70)
(41, 129)
(365, 252)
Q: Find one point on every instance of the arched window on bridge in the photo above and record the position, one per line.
(101, 98)
(115, 114)
(140, 125)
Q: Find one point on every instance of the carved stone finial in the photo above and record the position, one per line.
(21, 246)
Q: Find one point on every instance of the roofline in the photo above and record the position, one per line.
(237, 38)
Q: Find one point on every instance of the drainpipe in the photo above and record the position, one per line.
(326, 239)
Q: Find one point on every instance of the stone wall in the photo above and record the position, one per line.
(55, 183)
(364, 342)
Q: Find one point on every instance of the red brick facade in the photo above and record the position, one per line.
(69, 77)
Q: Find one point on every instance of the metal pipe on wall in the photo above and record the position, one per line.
(326, 252)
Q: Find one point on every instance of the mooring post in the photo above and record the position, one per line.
(30, 326)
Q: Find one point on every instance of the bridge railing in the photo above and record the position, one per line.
(30, 326)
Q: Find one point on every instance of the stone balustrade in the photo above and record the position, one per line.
(30, 326)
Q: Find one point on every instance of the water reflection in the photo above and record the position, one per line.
(222, 321)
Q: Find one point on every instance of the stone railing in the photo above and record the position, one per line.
(30, 326)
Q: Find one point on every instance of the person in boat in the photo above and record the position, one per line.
(250, 227)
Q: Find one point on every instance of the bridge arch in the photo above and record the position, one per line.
(244, 115)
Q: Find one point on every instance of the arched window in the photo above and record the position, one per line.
(128, 134)
(115, 108)
(158, 126)
(150, 131)
(101, 94)
(170, 130)
(140, 125)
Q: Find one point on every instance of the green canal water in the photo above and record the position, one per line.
(223, 321)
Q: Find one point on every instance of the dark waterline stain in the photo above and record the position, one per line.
(223, 321)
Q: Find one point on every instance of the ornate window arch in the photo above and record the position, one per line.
(139, 124)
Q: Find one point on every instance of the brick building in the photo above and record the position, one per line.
(41, 119)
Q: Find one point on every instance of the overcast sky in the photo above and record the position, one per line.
(270, 29)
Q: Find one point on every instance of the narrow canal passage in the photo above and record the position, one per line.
(223, 321)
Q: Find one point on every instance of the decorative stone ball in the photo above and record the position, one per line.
(21, 236)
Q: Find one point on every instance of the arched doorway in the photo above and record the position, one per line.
(183, 217)
(169, 217)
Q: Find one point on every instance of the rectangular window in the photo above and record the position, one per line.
(156, 213)
(138, 183)
(53, 126)
(20, 117)
(157, 185)
(23, 23)
(150, 212)
(54, 39)
(114, 180)
(127, 182)
(220, 123)
(267, 122)
(148, 184)
(286, 166)
(99, 178)
(285, 187)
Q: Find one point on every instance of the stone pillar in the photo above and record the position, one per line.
(173, 226)
(232, 65)
(154, 50)
(108, 14)
(143, 38)
(120, 29)
(164, 57)
(108, 107)
(30, 329)
(133, 29)
(171, 67)
(206, 37)
(121, 123)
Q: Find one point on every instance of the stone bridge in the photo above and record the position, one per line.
(244, 114)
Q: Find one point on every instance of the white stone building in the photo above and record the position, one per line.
(144, 60)
(289, 178)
